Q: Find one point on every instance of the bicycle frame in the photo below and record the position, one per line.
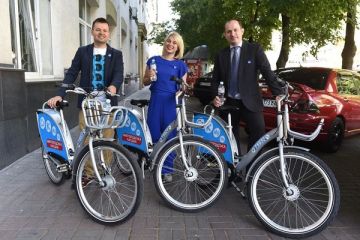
(55, 134)
(220, 134)
(135, 133)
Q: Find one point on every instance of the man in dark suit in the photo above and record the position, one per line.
(238, 66)
(100, 65)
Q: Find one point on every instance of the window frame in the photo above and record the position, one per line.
(35, 18)
(87, 25)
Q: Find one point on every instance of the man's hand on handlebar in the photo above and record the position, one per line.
(53, 101)
(111, 89)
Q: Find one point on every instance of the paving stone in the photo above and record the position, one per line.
(31, 207)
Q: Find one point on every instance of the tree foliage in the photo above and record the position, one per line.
(312, 22)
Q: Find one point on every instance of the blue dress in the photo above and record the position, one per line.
(162, 106)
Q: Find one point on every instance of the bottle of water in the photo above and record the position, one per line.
(153, 67)
(106, 112)
(221, 92)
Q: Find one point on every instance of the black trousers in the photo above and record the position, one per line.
(255, 125)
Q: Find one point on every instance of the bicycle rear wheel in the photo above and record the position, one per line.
(119, 199)
(51, 164)
(196, 188)
(309, 206)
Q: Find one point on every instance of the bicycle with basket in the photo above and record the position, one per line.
(106, 179)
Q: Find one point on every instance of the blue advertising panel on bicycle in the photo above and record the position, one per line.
(51, 135)
(215, 134)
(132, 133)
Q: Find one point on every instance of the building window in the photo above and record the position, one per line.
(31, 35)
(84, 23)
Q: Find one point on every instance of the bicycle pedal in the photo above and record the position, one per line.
(63, 168)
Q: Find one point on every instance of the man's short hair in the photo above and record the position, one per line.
(99, 20)
(237, 20)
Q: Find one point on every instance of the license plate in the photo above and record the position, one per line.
(269, 103)
(206, 84)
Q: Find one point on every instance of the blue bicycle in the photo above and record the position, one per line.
(107, 180)
(189, 172)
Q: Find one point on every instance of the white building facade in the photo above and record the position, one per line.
(42, 36)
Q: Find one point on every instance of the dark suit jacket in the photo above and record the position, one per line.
(252, 61)
(83, 61)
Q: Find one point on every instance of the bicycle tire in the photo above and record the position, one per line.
(50, 164)
(314, 201)
(188, 193)
(120, 198)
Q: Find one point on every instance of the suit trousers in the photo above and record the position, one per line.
(107, 133)
(254, 121)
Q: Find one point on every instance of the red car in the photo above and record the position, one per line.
(332, 94)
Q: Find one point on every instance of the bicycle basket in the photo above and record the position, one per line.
(97, 117)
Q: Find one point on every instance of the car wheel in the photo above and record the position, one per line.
(335, 135)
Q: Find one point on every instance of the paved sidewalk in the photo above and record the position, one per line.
(31, 207)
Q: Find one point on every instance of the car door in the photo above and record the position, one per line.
(348, 86)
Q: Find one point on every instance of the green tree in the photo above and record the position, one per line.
(312, 22)
(160, 31)
(349, 49)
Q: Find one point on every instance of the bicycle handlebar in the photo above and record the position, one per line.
(201, 125)
(179, 94)
(279, 99)
(82, 91)
(306, 137)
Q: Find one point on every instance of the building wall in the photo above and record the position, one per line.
(22, 93)
(65, 34)
(5, 34)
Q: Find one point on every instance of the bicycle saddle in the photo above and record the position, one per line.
(139, 102)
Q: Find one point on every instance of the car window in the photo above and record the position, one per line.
(348, 84)
(207, 75)
(312, 78)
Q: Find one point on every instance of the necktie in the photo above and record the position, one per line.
(233, 89)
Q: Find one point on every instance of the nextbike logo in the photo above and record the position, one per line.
(222, 147)
(54, 144)
(260, 143)
(131, 138)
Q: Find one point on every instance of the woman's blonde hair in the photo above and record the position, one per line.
(180, 43)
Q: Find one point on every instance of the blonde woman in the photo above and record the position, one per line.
(162, 111)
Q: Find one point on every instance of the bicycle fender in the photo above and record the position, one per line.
(269, 152)
(133, 133)
(159, 147)
(217, 135)
(51, 134)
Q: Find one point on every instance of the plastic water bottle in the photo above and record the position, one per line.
(153, 67)
(106, 112)
(221, 92)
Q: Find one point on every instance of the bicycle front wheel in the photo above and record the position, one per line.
(195, 188)
(121, 195)
(309, 204)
